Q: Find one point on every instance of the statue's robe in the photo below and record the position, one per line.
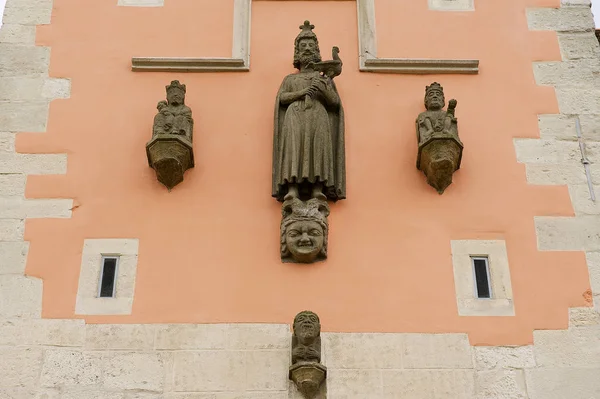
(308, 141)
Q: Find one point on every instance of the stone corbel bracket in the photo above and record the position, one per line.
(367, 39)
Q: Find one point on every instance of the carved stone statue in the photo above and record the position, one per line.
(309, 164)
(440, 149)
(304, 230)
(308, 140)
(170, 151)
(306, 370)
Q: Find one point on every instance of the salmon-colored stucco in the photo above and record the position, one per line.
(209, 249)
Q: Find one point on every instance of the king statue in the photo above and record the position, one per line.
(308, 140)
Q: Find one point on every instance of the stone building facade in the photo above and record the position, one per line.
(189, 322)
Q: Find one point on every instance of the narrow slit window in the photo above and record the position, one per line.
(481, 270)
(108, 276)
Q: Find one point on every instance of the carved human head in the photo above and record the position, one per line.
(307, 326)
(434, 97)
(304, 231)
(306, 46)
(176, 93)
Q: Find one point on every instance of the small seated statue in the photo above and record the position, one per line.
(304, 229)
(306, 370)
(440, 149)
(174, 117)
(170, 151)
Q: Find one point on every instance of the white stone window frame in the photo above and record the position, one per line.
(367, 42)
(88, 300)
(501, 301)
(452, 5)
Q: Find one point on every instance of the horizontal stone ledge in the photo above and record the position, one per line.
(161, 64)
(420, 66)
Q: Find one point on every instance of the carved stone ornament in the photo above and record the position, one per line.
(304, 230)
(440, 149)
(170, 151)
(306, 370)
(308, 139)
(309, 165)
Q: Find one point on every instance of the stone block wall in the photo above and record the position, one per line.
(49, 358)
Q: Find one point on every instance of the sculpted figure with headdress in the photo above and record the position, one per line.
(306, 370)
(309, 165)
(304, 230)
(170, 151)
(308, 140)
(440, 149)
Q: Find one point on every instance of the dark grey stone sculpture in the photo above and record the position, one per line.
(440, 149)
(309, 164)
(304, 230)
(170, 151)
(306, 370)
(308, 140)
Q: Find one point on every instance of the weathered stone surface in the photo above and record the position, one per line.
(34, 164)
(267, 370)
(576, 347)
(555, 174)
(210, 371)
(575, 46)
(451, 5)
(502, 357)
(258, 336)
(28, 12)
(47, 332)
(429, 384)
(540, 151)
(119, 336)
(363, 351)
(131, 370)
(567, 19)
(563, 383)
(593, 261)
(501, 384)
(554, 73)
(581, 200)
(20, 297)
(141, 3)
(590, 127)
(20, 367)
(12, 185)
(18, 60)
(580, 317)
(71, 368)
(346, 384)
(11, 229)
(14, 256)
(191, 336)
(19, 208)
(17, 34)
(439, 351)
(577, 99)
(568, 234)
(91, 394)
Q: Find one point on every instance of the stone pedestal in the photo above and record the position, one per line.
(439, 158)
(170, 155)
(308, 377)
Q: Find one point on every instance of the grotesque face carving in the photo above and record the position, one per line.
(304, 240)
(307, 326)
(175, 96)
(434, 100)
